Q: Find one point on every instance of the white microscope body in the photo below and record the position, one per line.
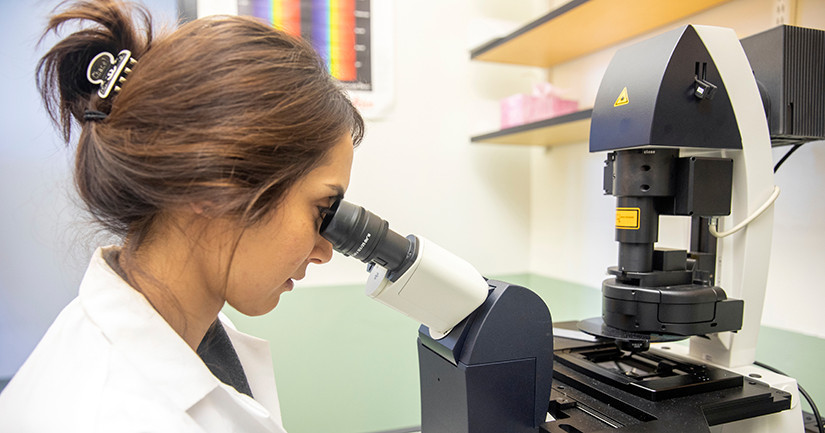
(743, 257)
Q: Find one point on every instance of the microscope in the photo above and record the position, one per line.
(683, 120)
(485, 347)
(688, 130)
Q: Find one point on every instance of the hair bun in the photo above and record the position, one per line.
(106, 26)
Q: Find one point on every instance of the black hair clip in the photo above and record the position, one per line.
(110, 72)
(94, 116)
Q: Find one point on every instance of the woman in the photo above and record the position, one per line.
(213, 151)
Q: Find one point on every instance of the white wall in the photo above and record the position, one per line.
(417, 169)
(45, 241)
(36, 267)
(572, 222)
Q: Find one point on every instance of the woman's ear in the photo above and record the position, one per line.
(203, 209)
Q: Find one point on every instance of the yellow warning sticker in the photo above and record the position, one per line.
(627, 218)
(622, 99)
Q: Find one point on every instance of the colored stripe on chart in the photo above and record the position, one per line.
(320, 28)
(286, 15)
(329, 25)
(342, 39)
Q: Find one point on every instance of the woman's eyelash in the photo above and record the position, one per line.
(332, 200)
(324, 211)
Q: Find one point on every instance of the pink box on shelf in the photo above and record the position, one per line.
(547, 107)
(514, 110)
(544, 102)
(547, 102)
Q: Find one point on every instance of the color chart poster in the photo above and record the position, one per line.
(338, 29)
(354, 37)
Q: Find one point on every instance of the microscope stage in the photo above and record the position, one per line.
(599, 387)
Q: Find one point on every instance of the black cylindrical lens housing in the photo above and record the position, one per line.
(357, 232)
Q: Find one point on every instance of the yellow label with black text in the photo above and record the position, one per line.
(622, 99)
(627, 218)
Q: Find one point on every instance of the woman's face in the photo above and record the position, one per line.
(272, 254)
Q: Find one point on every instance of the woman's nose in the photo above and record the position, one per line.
(322, 252)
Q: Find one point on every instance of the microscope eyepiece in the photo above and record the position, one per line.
(357, 232)
(413, 275)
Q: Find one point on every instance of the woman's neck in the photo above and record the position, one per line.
(176, 273)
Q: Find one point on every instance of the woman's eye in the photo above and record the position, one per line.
(322, 213)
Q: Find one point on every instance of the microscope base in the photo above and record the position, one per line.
(589, 396)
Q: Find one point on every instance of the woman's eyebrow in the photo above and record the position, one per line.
(339, 191)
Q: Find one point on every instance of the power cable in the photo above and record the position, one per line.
(787, 154)
(714, 221)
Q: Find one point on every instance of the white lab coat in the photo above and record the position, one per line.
(111, 363)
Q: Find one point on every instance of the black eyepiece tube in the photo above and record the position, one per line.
(357, 232)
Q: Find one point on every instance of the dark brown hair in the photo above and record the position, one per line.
(224, 110)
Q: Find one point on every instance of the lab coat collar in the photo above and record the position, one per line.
(256, 359)
(135, 329)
